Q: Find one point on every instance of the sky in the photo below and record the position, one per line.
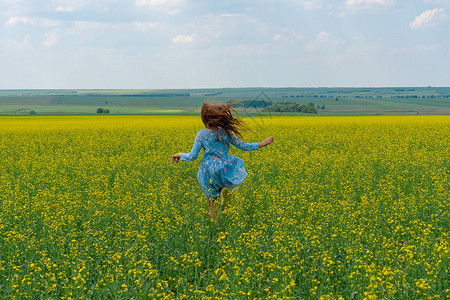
(164, 44)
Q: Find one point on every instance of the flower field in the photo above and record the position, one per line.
(335, 208)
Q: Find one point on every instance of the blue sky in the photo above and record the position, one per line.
(153, 44)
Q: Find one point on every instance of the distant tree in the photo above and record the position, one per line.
(102, 110)
(308, 109)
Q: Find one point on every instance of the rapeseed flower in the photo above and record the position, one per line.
(91, 208)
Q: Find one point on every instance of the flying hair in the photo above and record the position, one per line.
(223, 116)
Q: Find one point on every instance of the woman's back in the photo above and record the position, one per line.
(216, 145)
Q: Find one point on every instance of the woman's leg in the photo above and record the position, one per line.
(225, 195)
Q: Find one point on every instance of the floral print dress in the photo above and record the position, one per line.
(218, 169)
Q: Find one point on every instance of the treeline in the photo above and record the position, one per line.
(279, 107)
(369, 96)
(422, 97)
(308, 96)
(303, 108)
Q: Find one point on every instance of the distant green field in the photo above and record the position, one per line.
(328, 101)
(6, 109)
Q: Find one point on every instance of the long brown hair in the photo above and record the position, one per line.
(222, 115)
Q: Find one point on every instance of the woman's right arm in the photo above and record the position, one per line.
(191, 155)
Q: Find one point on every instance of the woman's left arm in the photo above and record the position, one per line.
(250, 146)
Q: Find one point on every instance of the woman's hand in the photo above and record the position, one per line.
(266, 142)
(176, 157)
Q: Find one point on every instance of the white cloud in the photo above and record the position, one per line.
(12, 21)
(312, 4)
(171, 7)
(184, 39)
(359, 38)
(355, 6)
(88, 25)
(429, 18)
(51, 39)
(48, 22)
(437, 1)
(64, 9)
(14, 7)
(145, 26)
(230, 15)
(229, 28)
(425, 47)
(220, 30)
(229, 37)
(323, 41)
(421, 48)
(288, 37)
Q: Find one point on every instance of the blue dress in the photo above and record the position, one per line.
(218, 169)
